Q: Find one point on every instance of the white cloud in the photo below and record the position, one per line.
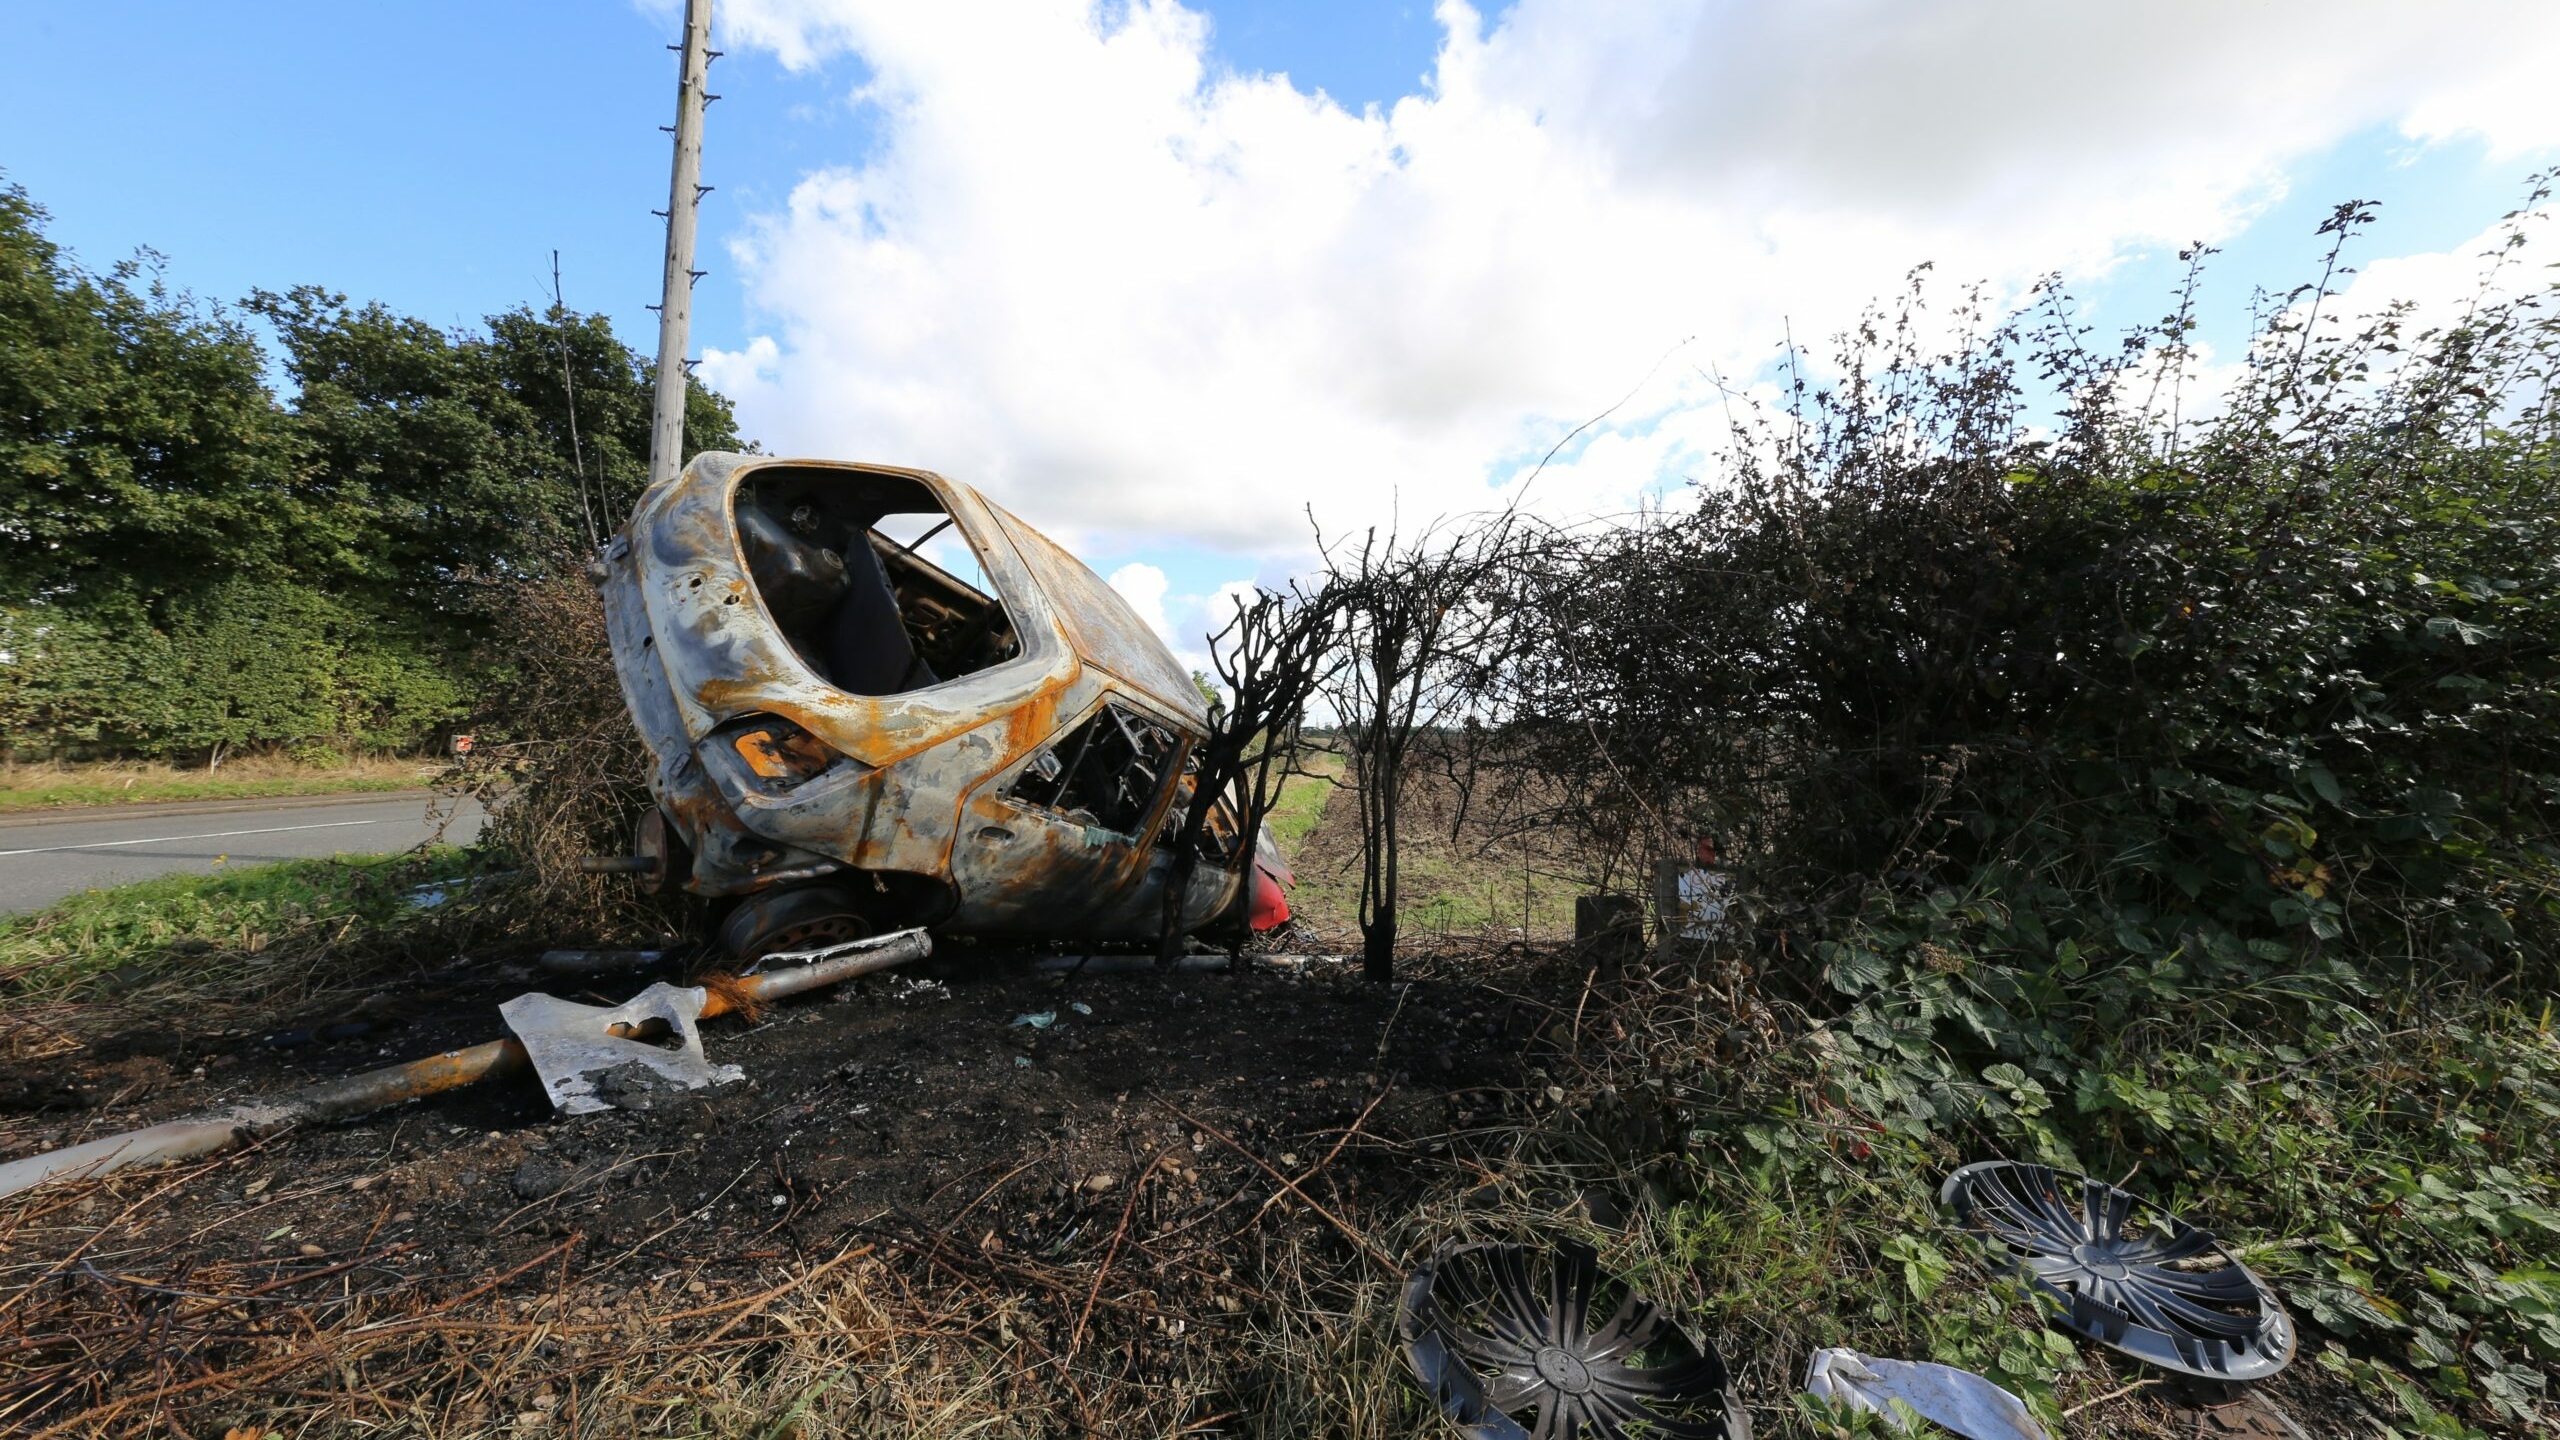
(1221, 606)
(1184, 622)
(1204, 616)
(1143, 586)
(2441, 288)
(1137, 297)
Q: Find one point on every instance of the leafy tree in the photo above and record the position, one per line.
(614, 389)
(443, 456)
(192, 567)
(138, 443)
(405, 448)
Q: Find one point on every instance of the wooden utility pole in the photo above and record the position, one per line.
(684, 201)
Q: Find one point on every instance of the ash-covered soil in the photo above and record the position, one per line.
(914, 1112)
(885, 1097)
(1002, 1228)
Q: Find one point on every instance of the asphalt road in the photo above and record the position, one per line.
(46, 856)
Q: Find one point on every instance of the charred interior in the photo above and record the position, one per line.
(1220, 835)
(865, 612)
(1106, 771)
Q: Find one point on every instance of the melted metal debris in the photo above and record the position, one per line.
(586, 1066)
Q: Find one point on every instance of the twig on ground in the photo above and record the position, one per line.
(1318, 1167)
(2117, 1394)
(1119, 1234)
(1349, 1230)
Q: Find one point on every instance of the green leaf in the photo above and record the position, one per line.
(1924, 1266)
(2325, 785)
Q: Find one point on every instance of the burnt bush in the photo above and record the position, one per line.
(558, 766)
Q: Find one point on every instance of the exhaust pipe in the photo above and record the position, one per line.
(616, 864)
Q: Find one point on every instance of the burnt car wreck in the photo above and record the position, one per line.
(851, 737)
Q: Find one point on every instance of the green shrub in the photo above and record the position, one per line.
(246, 663)
(2164, 796)
(189, 565)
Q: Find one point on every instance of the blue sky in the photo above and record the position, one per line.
(2432, 198)
(1107, 265)
(432, 157)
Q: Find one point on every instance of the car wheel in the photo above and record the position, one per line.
(805, 917)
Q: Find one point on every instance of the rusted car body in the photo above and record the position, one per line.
(850, 737)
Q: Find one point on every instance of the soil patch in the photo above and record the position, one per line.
(1103, 1183)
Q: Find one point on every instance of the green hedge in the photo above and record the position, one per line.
(246, 664)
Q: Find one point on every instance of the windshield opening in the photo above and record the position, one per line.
(869, 579)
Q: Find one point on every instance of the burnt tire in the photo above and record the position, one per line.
(804, 917)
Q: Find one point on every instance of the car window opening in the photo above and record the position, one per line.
(1106, 772)
(869, 613)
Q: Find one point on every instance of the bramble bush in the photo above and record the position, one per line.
(2158, 786)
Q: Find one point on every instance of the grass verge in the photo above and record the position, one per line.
(1302, 800)
(54, 787)
(221, 929)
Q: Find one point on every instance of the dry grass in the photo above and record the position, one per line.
(375, 1341)
(1212, 1317)
(559, 769)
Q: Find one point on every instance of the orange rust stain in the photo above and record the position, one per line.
(1030, 724)
(693, 813)
(783, 755)
(744, 691)
(438, 1073)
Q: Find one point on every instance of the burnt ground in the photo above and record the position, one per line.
(913, 1217)
(908, 1113)
(962, 1224)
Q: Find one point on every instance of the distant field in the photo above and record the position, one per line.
(59, 786)
(1301, 802)
(1472, 883)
